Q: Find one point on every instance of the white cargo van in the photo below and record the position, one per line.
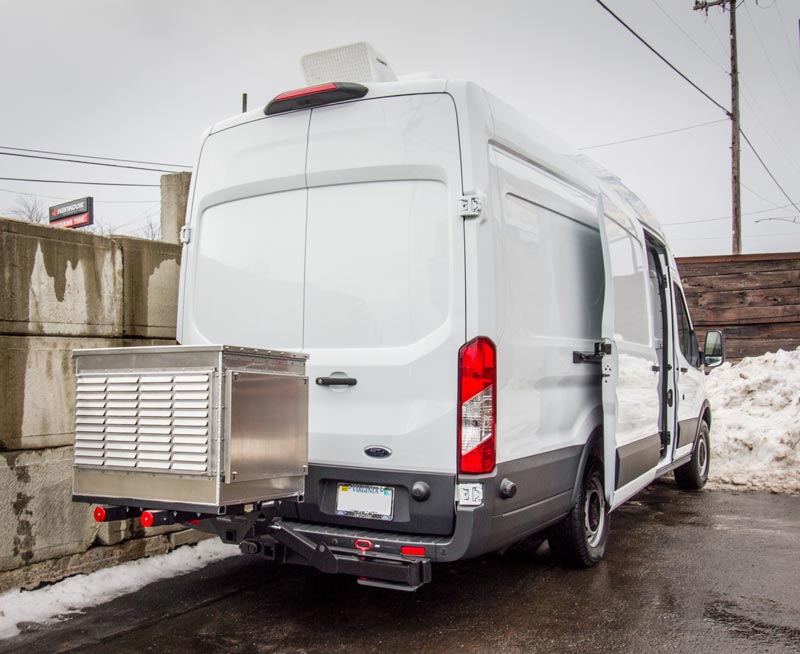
(498, 345)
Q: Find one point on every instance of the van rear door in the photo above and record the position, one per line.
(631, 371)
(242, 282)
(384, 283)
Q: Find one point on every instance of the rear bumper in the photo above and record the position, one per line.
(377, 558)
(471, 532)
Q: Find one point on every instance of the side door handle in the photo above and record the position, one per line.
(336, 381)
(684, 369)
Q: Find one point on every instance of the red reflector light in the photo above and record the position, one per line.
(193, 522)
(100, 514)
(309, 90)
(410, 550)
(477, 408)
(146, 519)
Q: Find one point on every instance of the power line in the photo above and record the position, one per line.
(738, 130)
(771, 67)
(89, 156)
(650, 136)
(711, 220)
(85, 163)
(719, 238)
(751, 101)
(769, 172)
(688, 36)
(64, 181)
(660, 56)
(786, 34)
(757, 194)
(62, 197)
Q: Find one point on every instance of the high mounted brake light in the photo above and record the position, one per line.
(314, 96)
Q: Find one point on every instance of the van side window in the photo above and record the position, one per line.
(686, 337)
(631, 304)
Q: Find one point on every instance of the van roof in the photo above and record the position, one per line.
(509, 127)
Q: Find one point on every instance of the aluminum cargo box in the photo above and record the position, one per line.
(197, 428)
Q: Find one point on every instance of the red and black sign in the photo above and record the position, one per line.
(75, 213)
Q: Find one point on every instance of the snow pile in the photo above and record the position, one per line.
(51, 603)
(755, 423)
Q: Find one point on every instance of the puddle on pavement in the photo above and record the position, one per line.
(734, 618)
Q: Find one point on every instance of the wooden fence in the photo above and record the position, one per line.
(754, 299)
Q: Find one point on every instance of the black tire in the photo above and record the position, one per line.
(694, 474)
(580, 539)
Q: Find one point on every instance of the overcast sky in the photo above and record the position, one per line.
(142, 80)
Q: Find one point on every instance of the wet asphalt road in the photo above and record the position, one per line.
(701, 572)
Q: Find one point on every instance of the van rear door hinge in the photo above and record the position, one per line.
(600, 349)
(186, 234)
(469, 206)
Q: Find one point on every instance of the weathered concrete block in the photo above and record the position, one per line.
(174, 198)
(188, 537)
(151, 271)
(96, 558)
(111, 533)
(38, 520)
(37, 388)
(58, 281)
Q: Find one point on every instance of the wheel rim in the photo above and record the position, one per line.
(702, 456)
(594, 513)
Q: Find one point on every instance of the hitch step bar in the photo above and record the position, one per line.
(382, 571)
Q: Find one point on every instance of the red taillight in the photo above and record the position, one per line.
(146, 519)
(314, 96)
(100, 514)
(410, 550)
(477, 390)
(309, 90)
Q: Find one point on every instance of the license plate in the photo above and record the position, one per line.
(365, 501)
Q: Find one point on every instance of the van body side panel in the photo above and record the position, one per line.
(536, 260)
(384, 301)
(552, 285)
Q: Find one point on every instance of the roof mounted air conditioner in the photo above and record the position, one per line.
(358, 62)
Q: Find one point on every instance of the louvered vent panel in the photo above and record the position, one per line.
(156, 422)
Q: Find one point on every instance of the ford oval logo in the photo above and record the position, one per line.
(377, 451)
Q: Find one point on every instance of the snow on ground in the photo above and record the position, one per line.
(52, 603)
(755, 423)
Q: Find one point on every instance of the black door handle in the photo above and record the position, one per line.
(684, 370)
(655, 368)
(336, 381)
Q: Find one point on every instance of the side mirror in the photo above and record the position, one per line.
(713, 350)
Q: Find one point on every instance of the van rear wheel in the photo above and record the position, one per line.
(580, 538)
(694, 474)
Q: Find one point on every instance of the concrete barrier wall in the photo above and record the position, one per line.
(64, 290)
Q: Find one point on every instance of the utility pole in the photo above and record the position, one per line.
(734, 115)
